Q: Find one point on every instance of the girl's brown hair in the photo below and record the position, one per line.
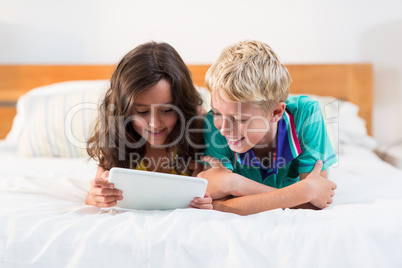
(140, 69)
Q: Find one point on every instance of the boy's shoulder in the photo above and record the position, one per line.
(299, 102)
(301, 106)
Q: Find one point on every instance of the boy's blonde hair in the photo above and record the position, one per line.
(249, 71)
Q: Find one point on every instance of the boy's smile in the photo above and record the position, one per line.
(244, 125)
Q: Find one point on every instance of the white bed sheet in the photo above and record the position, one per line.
(44, 222)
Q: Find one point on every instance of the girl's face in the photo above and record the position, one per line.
(154, 114)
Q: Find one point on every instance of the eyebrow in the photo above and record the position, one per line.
(147, 105)
(246, 115)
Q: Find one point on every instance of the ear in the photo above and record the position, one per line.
(278, 112)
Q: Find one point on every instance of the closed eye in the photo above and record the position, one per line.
(240, 120)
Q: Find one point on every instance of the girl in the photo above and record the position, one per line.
(145, 122)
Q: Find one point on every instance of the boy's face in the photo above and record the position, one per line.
(242, 124)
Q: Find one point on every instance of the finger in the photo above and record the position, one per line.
(322, 205)
(213, 162)
(107, 198)
(334, 186)
(98, 182)
(201, 201)
(205, 206)
(332, 194)
(330, 201)
(106, 191)
(106, 205)
(201, 206)
(105, 175)
(317, 167)
(207, 198)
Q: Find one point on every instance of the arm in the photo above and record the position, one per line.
(315, 143)
(314, 188)
(323, 173)
(222, 182)
(290, 196)
(198, 167)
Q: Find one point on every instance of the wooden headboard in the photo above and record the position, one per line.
(351, 82)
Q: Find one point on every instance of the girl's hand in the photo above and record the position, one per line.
(319, 189)
(202, 203)
(102, 193)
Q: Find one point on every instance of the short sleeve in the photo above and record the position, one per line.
(313, 138)
(215, 144)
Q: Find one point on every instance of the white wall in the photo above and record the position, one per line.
(312, 31)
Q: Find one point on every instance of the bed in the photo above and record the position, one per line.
(44, 221)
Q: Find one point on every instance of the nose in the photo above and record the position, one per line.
(155, 120)
(226, 127)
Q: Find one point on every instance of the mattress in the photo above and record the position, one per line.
(44, 222)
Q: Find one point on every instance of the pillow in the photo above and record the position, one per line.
(56, 120)
(205, 96)
(344, 125)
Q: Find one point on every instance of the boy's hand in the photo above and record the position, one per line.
(218, 177)
(320, 189)
(102, 193)
(202, 203)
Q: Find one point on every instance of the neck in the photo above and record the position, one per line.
(159, 159)
(151, 151)
(268, 143)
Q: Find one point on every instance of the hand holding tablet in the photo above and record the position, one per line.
(153, 190)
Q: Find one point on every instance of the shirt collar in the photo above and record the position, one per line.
(288, 148)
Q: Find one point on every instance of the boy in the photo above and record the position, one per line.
(269, 150)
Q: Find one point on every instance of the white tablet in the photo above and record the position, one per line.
(154, 190)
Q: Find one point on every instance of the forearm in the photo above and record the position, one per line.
(287, 197)
(243, 186)
(222, 184)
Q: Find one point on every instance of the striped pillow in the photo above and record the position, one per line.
(58, 118)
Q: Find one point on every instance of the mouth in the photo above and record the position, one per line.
(234, 141)
(157, 133)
